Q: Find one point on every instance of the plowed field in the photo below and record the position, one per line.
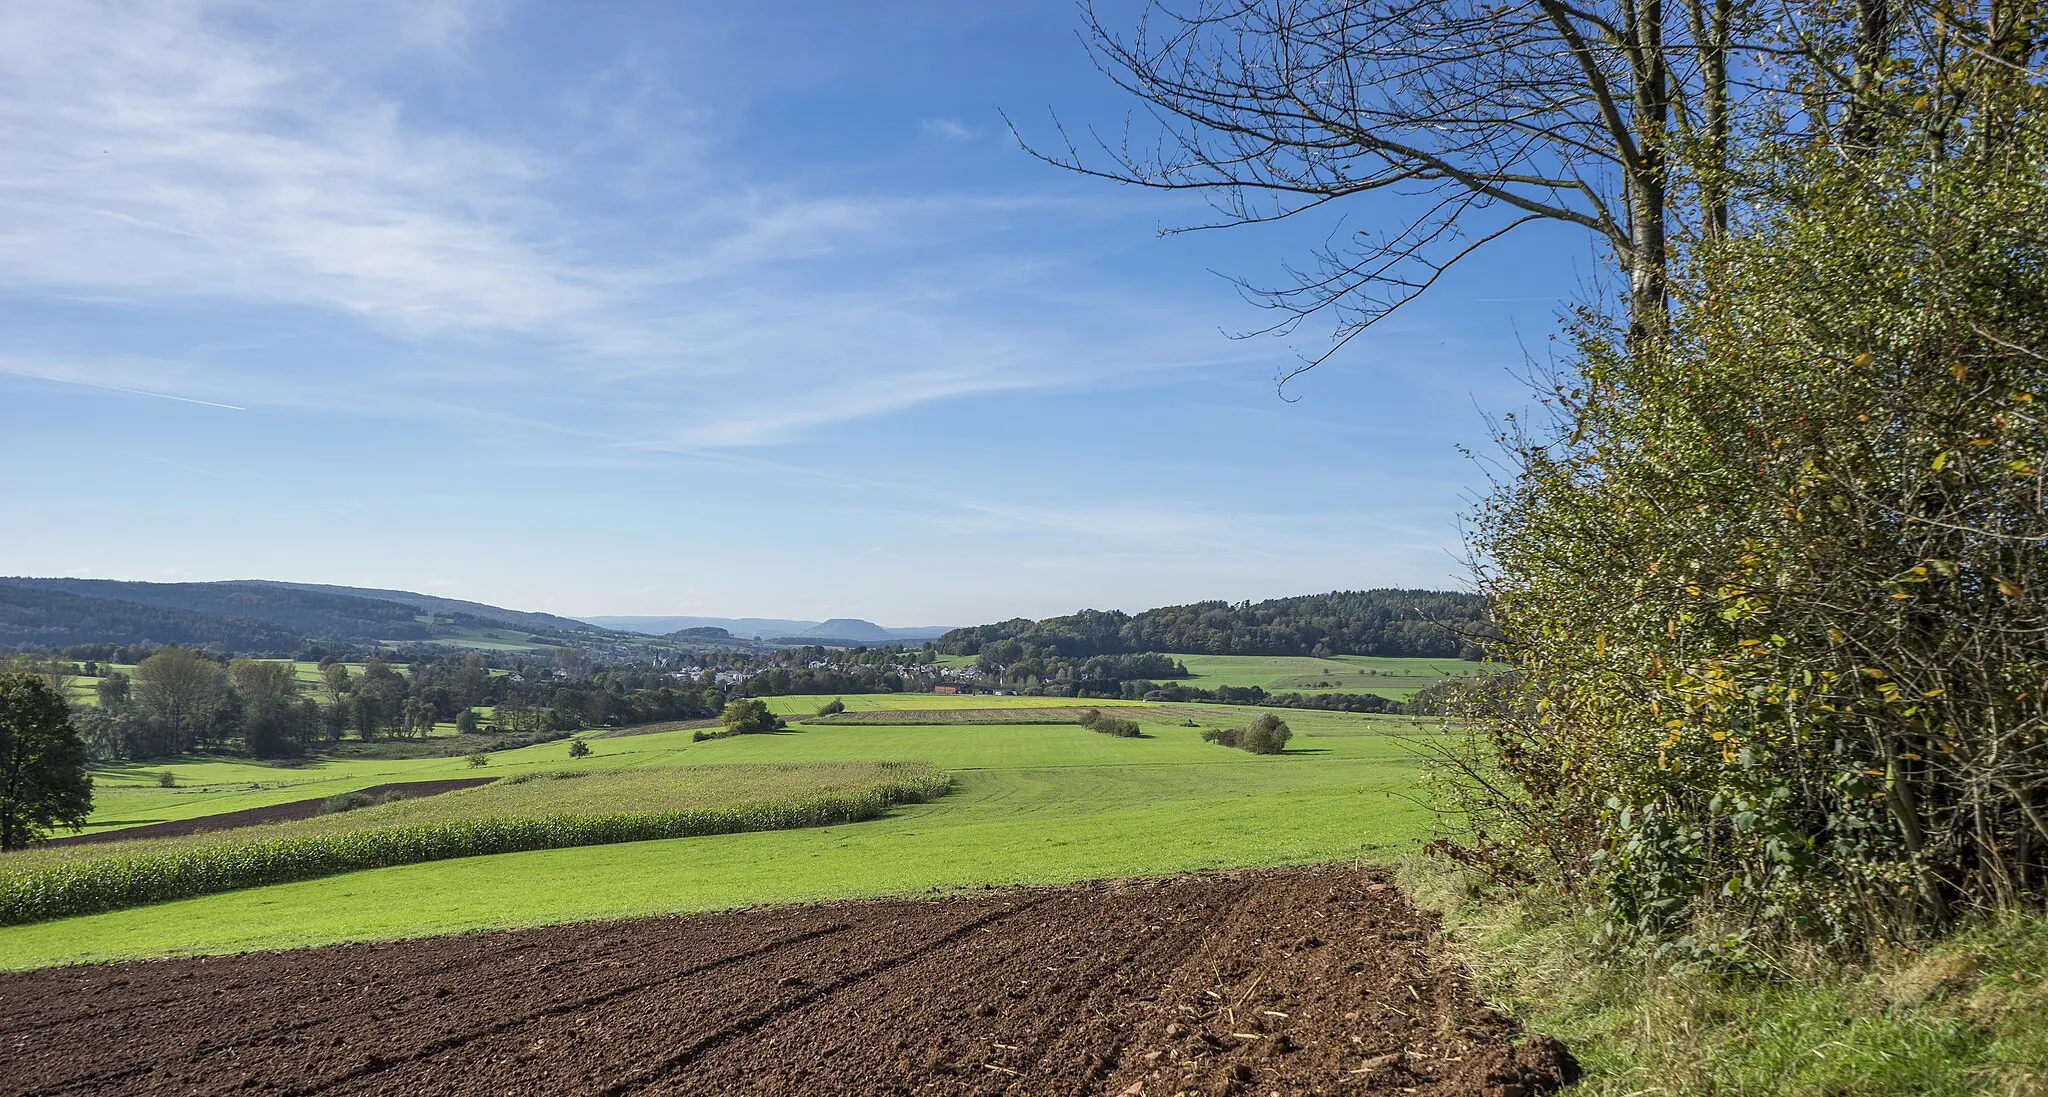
(1288, 981)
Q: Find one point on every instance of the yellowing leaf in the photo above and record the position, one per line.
(1865, 358)
(1941, 460)
(1960, 370)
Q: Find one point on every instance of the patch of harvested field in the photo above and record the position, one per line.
(1285, 980)
(941, 716)
(274, 813)
(655, 728)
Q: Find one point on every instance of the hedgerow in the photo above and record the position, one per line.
(115, 881)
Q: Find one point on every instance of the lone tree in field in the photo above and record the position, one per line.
(748, 716)
(43, 782)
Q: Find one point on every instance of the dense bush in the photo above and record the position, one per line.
(347, 801)
(832, 708)
(1267, 735)
(1778, 579)
(1102, 723)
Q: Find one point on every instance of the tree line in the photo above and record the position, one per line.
(1387, 623)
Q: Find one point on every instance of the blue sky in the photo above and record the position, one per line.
(654, 308)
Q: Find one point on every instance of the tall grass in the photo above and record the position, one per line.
(1965, 1016)
(597, 807)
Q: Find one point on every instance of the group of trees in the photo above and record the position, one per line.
(1032, 667)
(1267, 734)
(1772, 566)
(1771, 562)
(43, 778)
(1437, 624)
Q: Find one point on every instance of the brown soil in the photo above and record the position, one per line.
(665, 725)
(1275, 981)
(912, 717)
(275, 813)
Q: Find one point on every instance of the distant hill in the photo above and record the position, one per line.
(255, 615)
(774, 628)
(543, 622)
(1386, 622)
(46, 617)
(303, 612)
(847, 628)
(743, 627)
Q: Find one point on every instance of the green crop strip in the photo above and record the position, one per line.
(58, 888)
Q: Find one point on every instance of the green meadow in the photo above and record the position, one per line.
(1031, 803)
(1395, 678)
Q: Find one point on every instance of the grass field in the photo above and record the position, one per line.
(1032, 803)
(552, 810)
(1395, 678)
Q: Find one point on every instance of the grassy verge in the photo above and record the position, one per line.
(540, 811)
(1965, 1016)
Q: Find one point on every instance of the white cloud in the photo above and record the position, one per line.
(948, 128)
(182, 155)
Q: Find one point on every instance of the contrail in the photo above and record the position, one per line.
(117, 388)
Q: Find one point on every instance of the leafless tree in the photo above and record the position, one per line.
(1622, 117)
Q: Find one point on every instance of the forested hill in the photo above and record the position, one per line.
(33, 617)
(1389, 623)
(428, 603)
(304, 612)
(241, 616)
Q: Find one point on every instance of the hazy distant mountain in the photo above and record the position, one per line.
(743, 627)
(774, 628)
(848, 628)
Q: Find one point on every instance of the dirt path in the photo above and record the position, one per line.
(1275, 981)
(274, 813)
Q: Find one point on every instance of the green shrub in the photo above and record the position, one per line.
(1267, 735)
(1098, 721)
(832, 708)
(347, 801)
(749, 716)
(477, 758)
(579, 749)
(166, 779)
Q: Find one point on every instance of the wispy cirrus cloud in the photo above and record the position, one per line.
(184, 155)
(952, 129)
